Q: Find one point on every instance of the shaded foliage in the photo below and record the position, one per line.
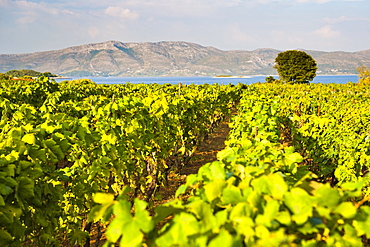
(295, 67)
(28, 72)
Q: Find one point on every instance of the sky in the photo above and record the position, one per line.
(325, 25)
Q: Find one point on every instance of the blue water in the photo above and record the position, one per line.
(339, 79)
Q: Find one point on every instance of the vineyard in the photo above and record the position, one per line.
(80, 159)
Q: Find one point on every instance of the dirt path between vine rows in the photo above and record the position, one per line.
(205, 153)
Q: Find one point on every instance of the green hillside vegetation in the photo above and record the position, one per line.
(27, 72)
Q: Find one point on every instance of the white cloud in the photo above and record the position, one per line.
(68, 12)
(306, 1)
(327, 32)
(336, 20)
(182, 3)
(31, 6)
(26, 20)
(343, 19)
(116, 11)
(28, 12)
(327, 1)
(181, 8)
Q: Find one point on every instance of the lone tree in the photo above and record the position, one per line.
(364, 76)
(295, 67)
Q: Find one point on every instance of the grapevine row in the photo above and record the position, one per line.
(328, 125)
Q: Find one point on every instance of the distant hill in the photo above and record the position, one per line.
(169, 58)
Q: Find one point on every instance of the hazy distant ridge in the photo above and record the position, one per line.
(169, 58)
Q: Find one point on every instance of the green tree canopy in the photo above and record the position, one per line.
(295, 67)
(271, 79)
(28, 72)
(364, 75)
(4, 76)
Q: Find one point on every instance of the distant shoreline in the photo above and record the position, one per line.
(218, 76)
(60, 77)
(208, 80)
(233, 76)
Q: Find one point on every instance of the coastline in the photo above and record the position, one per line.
(61, 77)
(233, 76)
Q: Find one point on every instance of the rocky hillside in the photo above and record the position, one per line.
(170, 58)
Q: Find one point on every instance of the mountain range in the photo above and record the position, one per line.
(170, 58)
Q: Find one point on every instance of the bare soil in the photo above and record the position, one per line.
(205, 153)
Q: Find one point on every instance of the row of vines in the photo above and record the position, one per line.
(60, 144)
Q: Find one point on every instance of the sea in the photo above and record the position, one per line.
(325, 79)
